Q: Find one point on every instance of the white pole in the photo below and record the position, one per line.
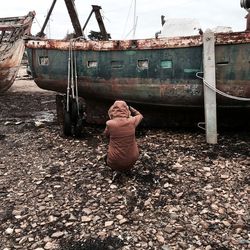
(209, 94)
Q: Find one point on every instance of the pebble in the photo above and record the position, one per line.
(108, 223)
(182, 192)
(9, 230)
(57, 234)
(86, 218)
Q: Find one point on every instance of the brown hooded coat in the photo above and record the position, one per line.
(122, 150)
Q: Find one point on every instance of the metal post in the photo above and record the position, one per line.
(41, 33)
(209, 94)
(70, 4)
(96, 9)
(84, 26)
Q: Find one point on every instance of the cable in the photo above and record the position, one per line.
(125, 26)
(201, 123)
(75, 76)
(38, 23)
(220, 92)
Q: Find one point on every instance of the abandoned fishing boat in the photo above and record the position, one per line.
(12, 46)
(154, 75)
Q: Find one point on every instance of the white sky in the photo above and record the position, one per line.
(119, 15)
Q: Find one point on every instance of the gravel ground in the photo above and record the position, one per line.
(57, 193)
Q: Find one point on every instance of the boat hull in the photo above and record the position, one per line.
(12, 46)
(9, 66)
(155, 73)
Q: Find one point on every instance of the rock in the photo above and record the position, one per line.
(9, 230)
(147, 202)
(39, 124)
(86, 218)
(96, 218)
(181, 194)
(57, 234)
(214, 207)
(165, 247)
(108, 223)
(22, 240)
(52, 218)
(207, 169)
(160, 238)
(50, 245)
(169, 229)
(87, 211)
(119, 217)
(122, 221)
(226, 223)
(72, 218)
(224, 176)
(113, 200)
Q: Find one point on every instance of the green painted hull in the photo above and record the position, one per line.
(153, 72)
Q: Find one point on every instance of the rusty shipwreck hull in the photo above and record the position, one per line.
(12, 46)
(159, 74)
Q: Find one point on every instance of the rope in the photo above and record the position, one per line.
(72, 87)
(75, 78)
(68, 85)
(220, 92)
(199, 124)
(72, 68)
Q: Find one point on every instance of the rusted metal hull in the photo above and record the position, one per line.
(12, 46)
(151, 73)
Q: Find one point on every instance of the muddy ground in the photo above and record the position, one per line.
(57, 193)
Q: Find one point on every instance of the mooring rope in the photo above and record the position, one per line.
(72, 73)
(68, 85)
(75, 77)
(219, 91)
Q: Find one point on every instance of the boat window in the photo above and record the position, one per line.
(44, 60)
(142, 64)
(92, 64)
(166, 64)
(222, 63)
(116, 64)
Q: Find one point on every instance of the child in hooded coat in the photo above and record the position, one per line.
(122, 150)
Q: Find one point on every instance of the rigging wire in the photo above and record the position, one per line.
(133, 29)
(103, 15)
(125, 26)
(40, 27)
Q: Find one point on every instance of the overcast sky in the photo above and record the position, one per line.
(119, 15)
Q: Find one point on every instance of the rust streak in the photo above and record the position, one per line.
(163, 43)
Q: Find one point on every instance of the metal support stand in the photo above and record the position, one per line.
(209, 94)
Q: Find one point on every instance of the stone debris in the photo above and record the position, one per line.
(57, 193)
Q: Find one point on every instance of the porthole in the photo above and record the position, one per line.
(44, 60)
(142, 64)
